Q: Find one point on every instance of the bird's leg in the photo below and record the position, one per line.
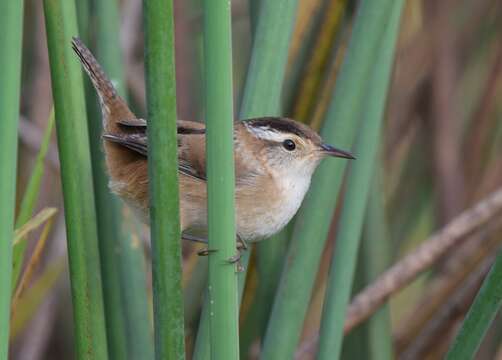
(203, 252)
(241, 247)
(241, 244)
(189, 237)
(206, 251)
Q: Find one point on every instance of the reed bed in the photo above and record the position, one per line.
(388, 253)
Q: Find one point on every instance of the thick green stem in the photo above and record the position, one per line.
(268, 61)
(76, 173)
(122, 259)
(222, 290)
(163, 177)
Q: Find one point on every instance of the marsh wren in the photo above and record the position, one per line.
(274, 161)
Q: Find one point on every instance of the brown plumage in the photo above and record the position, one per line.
(274, 161)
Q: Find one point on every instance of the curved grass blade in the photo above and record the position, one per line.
(480, 315)
(30, 197)
(33, 262)
(40, 218)
(33, 297)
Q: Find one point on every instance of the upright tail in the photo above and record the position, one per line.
(119, 159)
(113, 107)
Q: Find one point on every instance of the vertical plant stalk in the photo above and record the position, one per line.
(316, 64)
(271, 41)
(313, 220)
(222, 290)
(11, 30)
(358, 186)
(267, 70)
(163, 179)
(268, 61)
(480, 315)
(374, 336)
(122, 263)
(76, 174)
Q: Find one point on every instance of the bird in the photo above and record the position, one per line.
(275, 158)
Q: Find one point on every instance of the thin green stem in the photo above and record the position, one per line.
(373, 337)
(480, 315)
(76, 174)
(163, 177)
(11, 29)
(377, 254)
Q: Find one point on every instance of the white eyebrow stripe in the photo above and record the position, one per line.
(267, 133)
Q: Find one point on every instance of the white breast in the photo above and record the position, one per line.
(271, 219)
(294, 191)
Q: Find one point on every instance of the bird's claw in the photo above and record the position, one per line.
(236, 259)
(241, 246)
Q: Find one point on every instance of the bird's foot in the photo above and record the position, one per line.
(241, 247)
(241, 244)
(206, 252)
(190, 237)
(236, 259)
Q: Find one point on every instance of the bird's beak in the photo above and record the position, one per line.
(333, 151)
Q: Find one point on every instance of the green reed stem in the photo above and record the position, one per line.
(11, 30)
(358, 185)
(480, 315)
(314, 218)
(163, 175)
(377, 254)
(76, 174)
(222, 289)
(268, 61)
(122, 260)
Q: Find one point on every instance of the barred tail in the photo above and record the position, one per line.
(114, 110)
(113, 106)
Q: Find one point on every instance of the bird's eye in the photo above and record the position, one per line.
(289, 144)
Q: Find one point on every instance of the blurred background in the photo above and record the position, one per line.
(441, 153)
